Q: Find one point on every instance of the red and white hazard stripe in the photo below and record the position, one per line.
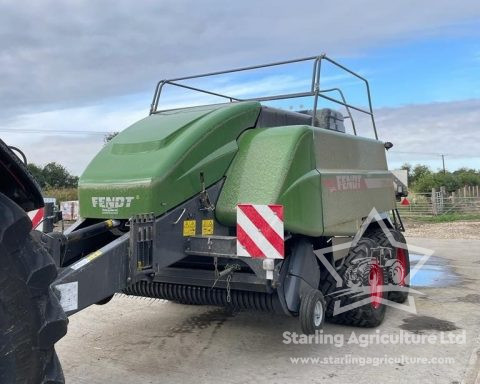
(36, 216)
(260, 231)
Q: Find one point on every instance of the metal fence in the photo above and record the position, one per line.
(438, 202)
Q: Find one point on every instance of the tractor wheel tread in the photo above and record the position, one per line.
(364, 316)
(40, 268)
(31, 318)
(381, 239)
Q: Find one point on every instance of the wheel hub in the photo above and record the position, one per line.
(376, 284)
(398, 273)
(318, 314)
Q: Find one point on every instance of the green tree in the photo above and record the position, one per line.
(423, 179)
(424, 183)
(56, 176)
(467, 176)
(53, 175)
(447, 180)
(419, 171)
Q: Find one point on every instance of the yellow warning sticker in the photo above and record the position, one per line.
(207, 227)
(189, 227)
(87, 259)
(94, 255)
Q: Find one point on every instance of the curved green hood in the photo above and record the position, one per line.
(155, 164)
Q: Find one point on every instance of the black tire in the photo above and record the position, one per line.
(311, 319)
(370, 314)
(31, 318)
(382, 240)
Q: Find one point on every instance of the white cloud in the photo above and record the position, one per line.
(56, 53)
(62, 57)
(419, 133)
(74, 151)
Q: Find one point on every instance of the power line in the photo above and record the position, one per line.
(54, 131)
(391, 152)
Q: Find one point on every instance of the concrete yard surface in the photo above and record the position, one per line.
(134, 340)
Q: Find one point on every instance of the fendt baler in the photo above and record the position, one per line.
(235, 204)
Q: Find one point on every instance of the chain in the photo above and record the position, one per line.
(215, 263)
(228, 271)
(229, 277)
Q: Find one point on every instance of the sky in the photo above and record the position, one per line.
(72, 71)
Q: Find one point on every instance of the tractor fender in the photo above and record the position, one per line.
(17, 182)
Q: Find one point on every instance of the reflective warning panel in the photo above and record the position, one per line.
(260, 231)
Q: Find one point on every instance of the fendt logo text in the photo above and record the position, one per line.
(112, 202)
(349, 182)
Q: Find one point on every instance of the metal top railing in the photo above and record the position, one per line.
(314, 90)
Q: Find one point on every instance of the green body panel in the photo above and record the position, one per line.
(155, 164)
(327, 181)
(275, 166)
(355, 179)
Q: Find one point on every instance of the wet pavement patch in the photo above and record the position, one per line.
(417, 324)
(214, 317)
(470, 298)
(434, 273)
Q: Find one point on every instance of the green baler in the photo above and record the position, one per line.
(237, 204)
(326, 180)
(244, 205)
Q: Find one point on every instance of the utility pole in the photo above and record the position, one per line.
(443, 163)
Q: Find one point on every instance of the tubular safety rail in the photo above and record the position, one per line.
(314, 90)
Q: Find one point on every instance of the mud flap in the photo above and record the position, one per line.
(302, 275)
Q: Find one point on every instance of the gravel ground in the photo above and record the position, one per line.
(155, 341)
(450, 230)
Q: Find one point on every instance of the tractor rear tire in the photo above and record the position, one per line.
(31, 318)
(368, 277)
(401, 258)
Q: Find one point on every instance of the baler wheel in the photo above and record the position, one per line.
(312, 312)
(31, 318)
